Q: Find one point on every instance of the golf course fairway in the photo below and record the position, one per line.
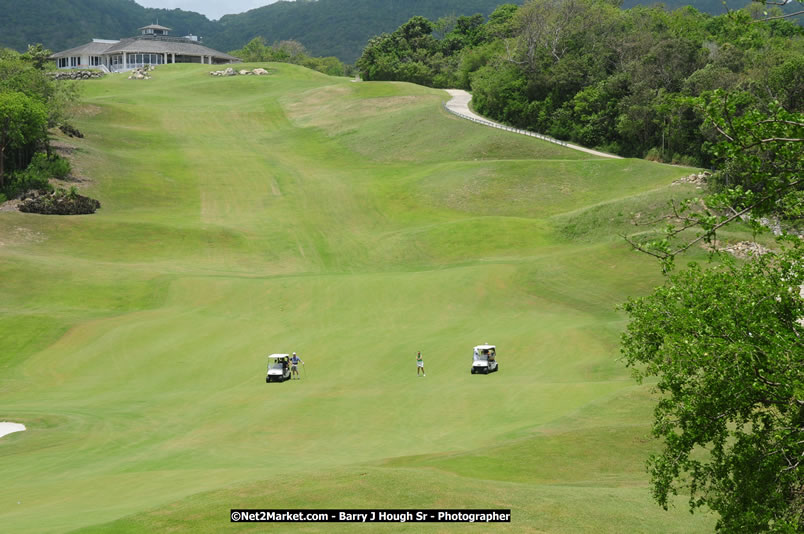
(353, 223)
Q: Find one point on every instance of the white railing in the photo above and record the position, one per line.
(506, 128)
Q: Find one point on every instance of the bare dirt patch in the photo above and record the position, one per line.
(21, 235)
(87, 110)
(10, 205)
(77, 177)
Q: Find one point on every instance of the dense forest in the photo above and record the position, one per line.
(590, 72)
(337, 28)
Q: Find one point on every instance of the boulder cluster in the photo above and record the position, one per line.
(77, 74)
(141, 73)
(243, 72)
(59, 202)
(741, 249)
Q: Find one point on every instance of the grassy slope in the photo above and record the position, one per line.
(356, 224)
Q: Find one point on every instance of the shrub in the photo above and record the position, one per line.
(36, 175)
(654, 154)
(30, 178)
(52, 166)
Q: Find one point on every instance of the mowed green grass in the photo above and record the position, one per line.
(354, 223)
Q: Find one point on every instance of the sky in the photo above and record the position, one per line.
(213, 9)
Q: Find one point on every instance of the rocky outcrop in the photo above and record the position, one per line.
(242, 72)
(77, 74)
(746, 249)
(59, 202)
(741, 249)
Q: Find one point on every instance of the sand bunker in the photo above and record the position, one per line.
(8, 428)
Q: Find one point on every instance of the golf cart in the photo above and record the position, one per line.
(484, 359)
(278, 368)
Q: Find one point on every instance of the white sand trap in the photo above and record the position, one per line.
(8, 428)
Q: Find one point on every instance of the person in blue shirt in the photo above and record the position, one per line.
(294, 366)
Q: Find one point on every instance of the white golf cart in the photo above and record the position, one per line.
(278, 368)
(484, 359)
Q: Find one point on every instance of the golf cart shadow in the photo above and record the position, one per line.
(278, 368)
(484, 360)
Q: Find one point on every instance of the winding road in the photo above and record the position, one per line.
(459, 105)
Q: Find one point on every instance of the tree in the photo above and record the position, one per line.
(406, 55)
(727, 343)
(22, 122)
(292, 51)
(254, 51)
(38, 55)
(727, 346)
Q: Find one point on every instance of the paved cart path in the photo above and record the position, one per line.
(459, 105)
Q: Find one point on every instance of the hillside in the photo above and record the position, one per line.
(355, 223)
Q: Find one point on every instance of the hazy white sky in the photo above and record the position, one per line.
(213, 9)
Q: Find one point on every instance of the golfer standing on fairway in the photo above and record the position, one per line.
(294, 366)
(419, 364)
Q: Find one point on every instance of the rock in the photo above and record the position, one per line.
(71, 130)
(140, 73)
(77, 74)
(695, 179)
(59, 202)
(746, 249)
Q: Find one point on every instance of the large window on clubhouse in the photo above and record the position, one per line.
(65, 62)
(145, 59)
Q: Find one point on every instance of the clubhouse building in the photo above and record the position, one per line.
(152, 47)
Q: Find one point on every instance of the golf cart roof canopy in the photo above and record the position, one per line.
(278, 356)
(485, 347)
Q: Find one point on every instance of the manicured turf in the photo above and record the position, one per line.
(355, 223)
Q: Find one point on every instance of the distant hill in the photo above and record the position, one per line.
(338, 28)
(62, 24)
